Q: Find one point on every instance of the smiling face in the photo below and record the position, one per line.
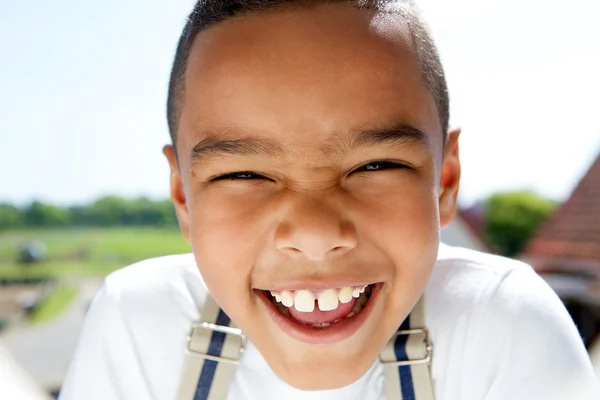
(310, 159)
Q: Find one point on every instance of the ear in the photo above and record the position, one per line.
(177, 192)
(449, 179)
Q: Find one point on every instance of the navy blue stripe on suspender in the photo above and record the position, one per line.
(214, 349)
(406, 383)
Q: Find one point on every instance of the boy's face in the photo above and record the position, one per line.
(342, 180)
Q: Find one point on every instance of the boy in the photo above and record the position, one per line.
(311, 170)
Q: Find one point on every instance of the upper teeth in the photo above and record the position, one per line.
(328, 300)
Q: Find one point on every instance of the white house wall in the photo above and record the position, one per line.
(459, 234)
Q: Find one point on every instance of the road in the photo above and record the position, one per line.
(45, 351)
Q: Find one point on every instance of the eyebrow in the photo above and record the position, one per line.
(217, 145)
(214, 146)
(401, 134)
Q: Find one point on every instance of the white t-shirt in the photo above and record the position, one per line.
(498, 331)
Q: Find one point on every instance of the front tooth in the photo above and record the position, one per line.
(287, 299)
(304, 301)
(345, 295)
(328, 300)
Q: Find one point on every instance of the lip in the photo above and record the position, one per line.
(308, 334)
(317, 286)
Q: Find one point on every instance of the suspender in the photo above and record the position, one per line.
(406, 359)
(215, 347)
(213, 350)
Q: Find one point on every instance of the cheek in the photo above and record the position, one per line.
(226, 238)
(403, 221)
(406, 204)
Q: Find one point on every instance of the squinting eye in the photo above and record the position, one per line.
(380, 165)
(242, 175)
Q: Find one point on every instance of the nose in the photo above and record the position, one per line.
(313, 228)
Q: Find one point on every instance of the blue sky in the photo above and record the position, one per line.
(83, 89)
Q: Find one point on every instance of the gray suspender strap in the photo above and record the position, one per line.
(215, 346)
(406, 359)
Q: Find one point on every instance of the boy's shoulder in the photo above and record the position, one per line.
(136, 330)
(473, 260)
(484, 313)
(467, 275)
(157, 270)
(171, 284)
(478, 286)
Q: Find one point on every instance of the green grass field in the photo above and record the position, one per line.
(53, 304)
(93, 251)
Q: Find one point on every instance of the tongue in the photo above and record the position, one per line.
(318, 317)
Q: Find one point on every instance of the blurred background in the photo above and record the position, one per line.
(84, 186)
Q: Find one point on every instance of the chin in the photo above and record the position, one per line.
(310, 376)
(322, 380)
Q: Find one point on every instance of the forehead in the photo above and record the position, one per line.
(303, 75)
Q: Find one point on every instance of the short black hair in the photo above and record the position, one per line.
(210, 12)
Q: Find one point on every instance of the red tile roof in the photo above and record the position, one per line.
(573, 231)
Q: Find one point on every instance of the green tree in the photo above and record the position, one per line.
(117, 211)
(147, 212)
(511, 218)
(106, 211)
(167, 211)
(10, 217)
(38, 214)
(109, 211)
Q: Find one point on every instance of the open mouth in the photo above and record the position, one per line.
(321, 316)
(321, 309)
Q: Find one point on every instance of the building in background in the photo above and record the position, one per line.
(466, 231)
(565, 251)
